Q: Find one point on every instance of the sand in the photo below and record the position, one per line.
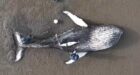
(36, 17)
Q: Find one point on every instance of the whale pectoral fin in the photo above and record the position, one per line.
(75, 56)
(76, 19)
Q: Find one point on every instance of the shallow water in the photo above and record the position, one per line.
(36, 17)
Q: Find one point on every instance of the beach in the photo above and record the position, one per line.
(36, 17)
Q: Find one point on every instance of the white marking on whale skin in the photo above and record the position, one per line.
(19, 54)
(76, 19)
(68, 44)
(55, 21)
(101, 38)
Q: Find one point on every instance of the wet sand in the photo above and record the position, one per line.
(36, 17)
